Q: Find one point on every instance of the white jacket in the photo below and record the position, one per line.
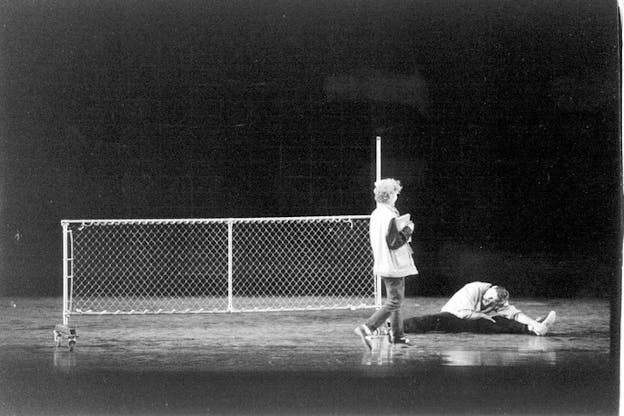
(388, 263)
(467, 300)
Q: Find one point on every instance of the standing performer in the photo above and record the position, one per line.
(390, 236)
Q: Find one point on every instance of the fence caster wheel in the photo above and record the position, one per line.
(63, 331)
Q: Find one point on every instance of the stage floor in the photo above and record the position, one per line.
(302, 363)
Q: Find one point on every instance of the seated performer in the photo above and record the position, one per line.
(482, 308)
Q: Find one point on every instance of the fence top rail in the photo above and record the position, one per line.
(211, 220)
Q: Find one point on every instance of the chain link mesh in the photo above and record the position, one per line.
(202, 266)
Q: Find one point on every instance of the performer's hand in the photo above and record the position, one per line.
(486, 316)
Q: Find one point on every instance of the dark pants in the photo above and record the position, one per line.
(447, 322)
(395, 293)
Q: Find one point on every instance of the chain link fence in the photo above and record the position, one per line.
(216, 265)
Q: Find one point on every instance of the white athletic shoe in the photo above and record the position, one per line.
(544, 326)
(400, 340)
(365, 335)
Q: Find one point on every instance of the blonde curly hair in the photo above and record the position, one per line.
(384, 188)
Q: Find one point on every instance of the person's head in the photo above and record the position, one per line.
(496, 297)
(387, 190)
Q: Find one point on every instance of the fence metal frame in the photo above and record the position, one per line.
(68, 254)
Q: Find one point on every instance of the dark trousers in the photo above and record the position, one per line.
(447, 322)
(395, 292)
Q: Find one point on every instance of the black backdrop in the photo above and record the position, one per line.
(500, 119)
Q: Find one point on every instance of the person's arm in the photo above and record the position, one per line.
(396, 238)
(511, 312)
(471, 315)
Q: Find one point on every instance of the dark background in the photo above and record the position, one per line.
(501, 119)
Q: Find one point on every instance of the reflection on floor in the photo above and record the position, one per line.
(529, 349)
(64, 360)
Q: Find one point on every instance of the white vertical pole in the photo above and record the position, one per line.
(378, 177)
(378, 158)
(65, 276)
(230, 265)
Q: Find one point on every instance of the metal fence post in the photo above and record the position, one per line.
(64, 225)
(230, 265)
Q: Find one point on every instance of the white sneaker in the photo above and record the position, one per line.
(365, 335)
(543, 327)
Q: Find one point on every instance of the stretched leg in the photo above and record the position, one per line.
(509, 326)
(447, 322)
(425, 323)
(537, 327)
(501, 325)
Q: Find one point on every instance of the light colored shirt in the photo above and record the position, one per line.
(467, 300)
(388, 263)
